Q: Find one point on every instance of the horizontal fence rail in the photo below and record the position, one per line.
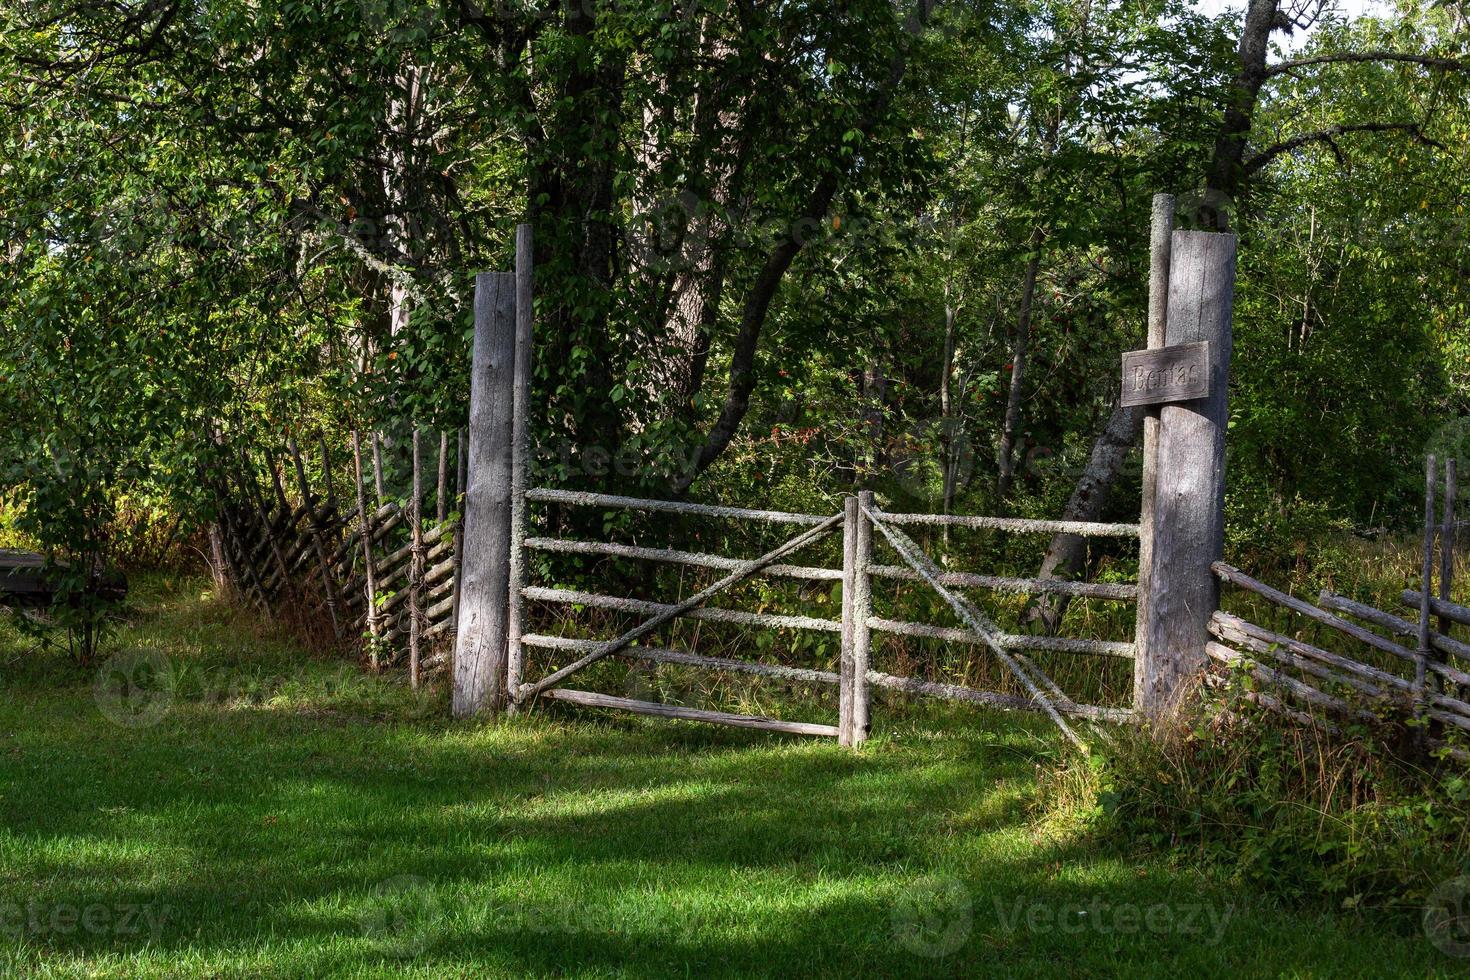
(1308, 683)
(856, 574)
(1016, 525)
(579, 499)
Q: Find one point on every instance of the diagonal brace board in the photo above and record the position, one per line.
(972, 617)
(740, 574)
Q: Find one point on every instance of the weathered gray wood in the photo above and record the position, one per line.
(1424, 651)
(1160, 254)
(1161, 241)
(1449, 610)
(682, 608)
(1008, 641)
(1447, 540)
(441, 487)
(1232, 629)
(978, 625)
(416, 563)
(480, 645)
(378, 467)
(461, 480)
(393, 559)
(708, 613)
(993, 699)
(846, 671)
(589, 699)
(1118, 592)
(671, 556)
(1164, 375)
(579, 499)
(365, 535)
(1187, 522)
(664, 655)
(1399, 626)
(318, 542)
(1288, 655)
(1278, 707)
(1236, 577)
(1015, 525)
(862, 609)
(520, 458)
(1297, 688)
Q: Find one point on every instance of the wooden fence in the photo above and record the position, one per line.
(381, 573)
(1180, 535)
(1354, 670)
(384, 573)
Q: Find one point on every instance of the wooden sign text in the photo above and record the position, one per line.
(1166, 374)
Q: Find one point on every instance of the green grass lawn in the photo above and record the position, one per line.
(289, 816)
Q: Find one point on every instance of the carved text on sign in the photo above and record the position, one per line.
(1166, 374)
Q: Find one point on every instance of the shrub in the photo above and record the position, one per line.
(1296, 813)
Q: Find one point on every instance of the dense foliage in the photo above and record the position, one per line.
(781, 248)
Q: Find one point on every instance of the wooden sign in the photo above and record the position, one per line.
(1166, 374)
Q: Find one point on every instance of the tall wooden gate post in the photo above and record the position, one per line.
(520, 463)
(1184, 515)
(854, 717)
(484, 614)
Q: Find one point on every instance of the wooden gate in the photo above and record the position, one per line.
(1181, 534)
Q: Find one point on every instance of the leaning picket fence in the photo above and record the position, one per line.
(1349, 673)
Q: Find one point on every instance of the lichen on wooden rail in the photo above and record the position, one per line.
(664, 655)
(1016, 525)
(712, 613)
(590, 699)
(671, 556)
(1009, 641)
(577, 498)
(1121, 592)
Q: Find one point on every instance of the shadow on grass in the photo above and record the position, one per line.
(270, 840)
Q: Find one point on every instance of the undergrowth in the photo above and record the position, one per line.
(1320, 821)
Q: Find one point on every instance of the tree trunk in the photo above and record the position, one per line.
(1020, 347)
(1066, 558)
(1226, 175)
(947, 424)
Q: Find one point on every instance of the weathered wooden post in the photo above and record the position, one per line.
(854, 716)
(416, 564)
(480, 643)
(367, 527)
(520, 459)
(1184, 496)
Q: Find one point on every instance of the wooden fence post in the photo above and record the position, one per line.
(1184, 520)
(480, 644)
(854, 717)
(520, 461)
(1160, 254)
(461, 479)
(846, 671)
(370, 573)
(862, 611)
(416, 563)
